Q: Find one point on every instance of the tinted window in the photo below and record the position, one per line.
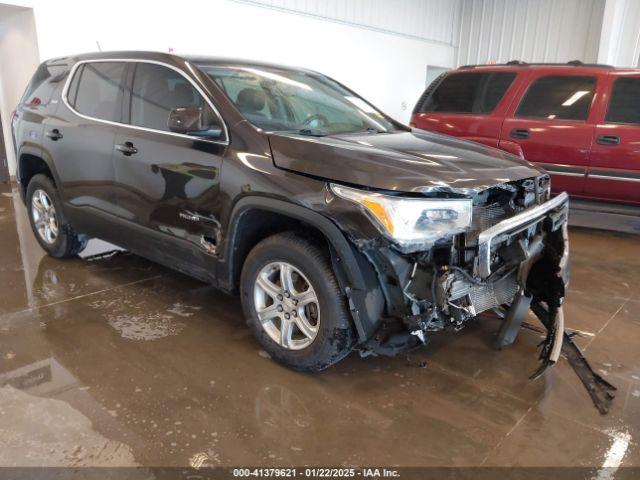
(558, 98)
(473, 92)
(156, 91)
(43, 83)
(625, 101)
(96, 90)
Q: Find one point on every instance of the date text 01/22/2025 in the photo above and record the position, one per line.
(315, 473)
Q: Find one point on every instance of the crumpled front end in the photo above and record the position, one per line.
(514, 256)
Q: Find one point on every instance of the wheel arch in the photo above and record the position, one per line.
(32, 161)
(355, 275)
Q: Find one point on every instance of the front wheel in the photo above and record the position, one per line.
(54, 234)
(294, 305)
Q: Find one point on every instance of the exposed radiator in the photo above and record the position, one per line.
(479, 298)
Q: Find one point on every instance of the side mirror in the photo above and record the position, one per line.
(191, 121)
(185, 120)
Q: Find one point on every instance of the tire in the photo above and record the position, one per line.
(333, 334)
(61, 242)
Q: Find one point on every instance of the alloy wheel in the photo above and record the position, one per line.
(44, 216)
(287, 305)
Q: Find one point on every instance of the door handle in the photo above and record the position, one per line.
(608, 140)
(54, 134)
(520, 133)
(126, 148)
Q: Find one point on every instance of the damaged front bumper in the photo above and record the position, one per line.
(555, 209)
(517, 263)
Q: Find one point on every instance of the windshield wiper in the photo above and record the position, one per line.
(375, 130)
(311, 132)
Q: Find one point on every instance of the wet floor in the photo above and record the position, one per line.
(117, 361)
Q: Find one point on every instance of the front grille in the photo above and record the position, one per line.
(505, 200)
(487, 216)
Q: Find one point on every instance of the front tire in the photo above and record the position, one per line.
(293, 303)
(52, 231)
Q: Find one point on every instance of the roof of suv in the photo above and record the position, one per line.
(164, 57)
(576, 65)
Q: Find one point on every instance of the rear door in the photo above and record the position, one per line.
(550, 126)
(169, 183)
(614, 172)
(468, 104)
(79, 137)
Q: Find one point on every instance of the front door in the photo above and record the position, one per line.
(550, 126)
(168, 182)
(614, 173)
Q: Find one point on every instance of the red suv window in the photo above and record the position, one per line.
(558, 97)
(468, 92)
(625, 101)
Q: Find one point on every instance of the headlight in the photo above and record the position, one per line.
(412, 222)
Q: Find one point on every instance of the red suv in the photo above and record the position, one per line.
(580, 122)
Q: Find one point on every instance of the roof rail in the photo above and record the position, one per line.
(520, 63)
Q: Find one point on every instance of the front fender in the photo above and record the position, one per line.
(355, 275)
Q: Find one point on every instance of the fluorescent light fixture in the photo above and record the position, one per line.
(277, 78)
(574, 98)
(361, 104)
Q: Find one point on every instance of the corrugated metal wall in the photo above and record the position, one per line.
(428, 20)
(624, 46)
(529, 30)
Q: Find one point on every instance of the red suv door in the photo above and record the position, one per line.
(614, 172)
(467, 103)
(551, 125)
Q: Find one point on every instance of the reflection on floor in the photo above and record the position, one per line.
(117, 361)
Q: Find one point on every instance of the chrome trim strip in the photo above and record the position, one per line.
(135, 127)
(512, 225)
(613, 177)
(559, 168)
(565, 174)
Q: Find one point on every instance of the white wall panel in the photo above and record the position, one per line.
(19, 57)
(431, 20)
(620, 38)
(529, 30)
(387, 69)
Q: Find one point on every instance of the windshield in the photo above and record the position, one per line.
(276, 99)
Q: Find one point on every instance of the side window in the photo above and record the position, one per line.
(96, 90)
(558, 98)
(624, 106)
(43, 83)
(469, 92)
(158, 90)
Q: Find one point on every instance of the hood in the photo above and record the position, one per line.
(415, 161)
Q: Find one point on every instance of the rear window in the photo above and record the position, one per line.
(43, 83)
(625, 101)
(96, 90)
(558, 97)
(469, 92)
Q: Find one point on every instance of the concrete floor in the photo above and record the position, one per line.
(121, 362)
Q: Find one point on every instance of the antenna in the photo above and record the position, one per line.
(99, 47)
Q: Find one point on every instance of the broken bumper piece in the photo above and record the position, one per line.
(515, 265)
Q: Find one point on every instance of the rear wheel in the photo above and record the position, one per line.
(54, 234)
(294, 305)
